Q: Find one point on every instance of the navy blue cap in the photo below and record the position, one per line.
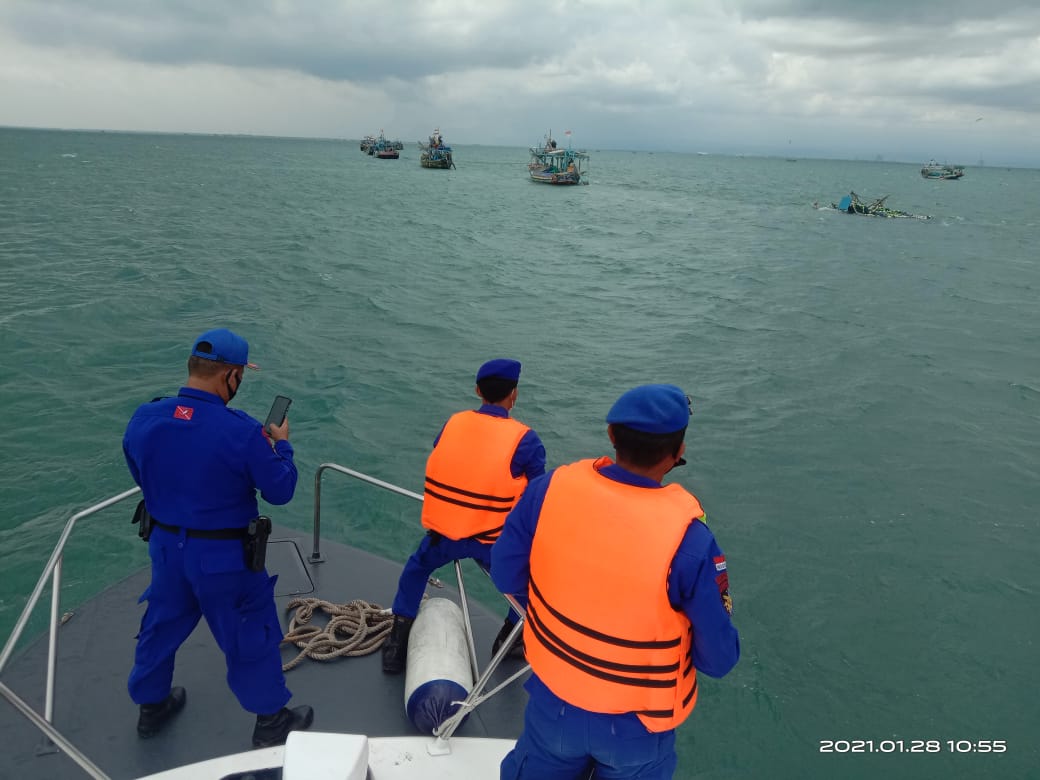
(502, 368)
(652, 409)
(225, 347)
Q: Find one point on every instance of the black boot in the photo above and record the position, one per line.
(154, 716)
(273, 730)
(395, 647)
(517, 650)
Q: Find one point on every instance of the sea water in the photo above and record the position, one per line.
(866, 392)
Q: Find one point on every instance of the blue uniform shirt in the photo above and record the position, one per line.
(200, 463)
(692, 583)
(529, 458)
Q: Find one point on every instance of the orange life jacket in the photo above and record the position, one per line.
(469, 488)
(600, 631)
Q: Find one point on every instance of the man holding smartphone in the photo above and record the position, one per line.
(199, 465)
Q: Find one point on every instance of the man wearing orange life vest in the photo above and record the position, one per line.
(480, 464)
(628, 600)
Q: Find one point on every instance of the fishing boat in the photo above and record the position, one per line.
(366, 142)
(852, 204)
(934, 170)
(435, 153)
(70, 715)
(550, 164)
(384, 149)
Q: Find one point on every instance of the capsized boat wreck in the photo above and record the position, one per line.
(852, 204)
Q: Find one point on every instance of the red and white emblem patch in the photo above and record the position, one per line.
(183, 413)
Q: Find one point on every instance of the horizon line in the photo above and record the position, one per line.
(341, 139)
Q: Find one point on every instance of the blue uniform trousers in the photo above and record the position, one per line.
(193, 578)
(562, 742)
(429, 557)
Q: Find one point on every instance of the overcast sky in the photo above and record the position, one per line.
(957, 80)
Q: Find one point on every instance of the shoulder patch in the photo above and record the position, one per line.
(722, 582)
(183, 412)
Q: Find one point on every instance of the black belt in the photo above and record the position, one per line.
(204, 533)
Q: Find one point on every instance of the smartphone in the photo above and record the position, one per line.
(279, 409)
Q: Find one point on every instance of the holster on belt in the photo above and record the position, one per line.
(145, 522)
(254, 543)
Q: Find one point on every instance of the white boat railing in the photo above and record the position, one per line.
(443, 732)
(316, 556)
(53, 570)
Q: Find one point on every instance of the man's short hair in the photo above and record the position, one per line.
(646, 449)
(493, 388)
(203, 368)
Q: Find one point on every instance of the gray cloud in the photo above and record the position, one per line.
(330, 40)
(936, 15)
(630, 72)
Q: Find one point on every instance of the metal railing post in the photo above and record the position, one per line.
(53, 571)
(473, 665)
(52, 649)
(49, 568)
(315, 556)
(67, 747)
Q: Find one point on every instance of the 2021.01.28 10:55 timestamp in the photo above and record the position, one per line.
(913, 746)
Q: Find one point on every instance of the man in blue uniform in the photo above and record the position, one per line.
(480, 461)
(600, 628)
(199, 465)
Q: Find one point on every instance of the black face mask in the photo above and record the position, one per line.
(227, 383)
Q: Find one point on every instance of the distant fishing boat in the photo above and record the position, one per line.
(435, 153)
(934, 170)
(383, 149)
(552, 165)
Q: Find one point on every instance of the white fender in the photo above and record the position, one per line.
(437, 672)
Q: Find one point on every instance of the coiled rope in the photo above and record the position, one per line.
(354, 628)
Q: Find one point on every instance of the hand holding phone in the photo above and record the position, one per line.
(276, 417)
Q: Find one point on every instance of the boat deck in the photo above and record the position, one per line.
(350, 695)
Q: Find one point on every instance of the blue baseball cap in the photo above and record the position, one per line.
(501, 368)
(652, 409)
(223, 346)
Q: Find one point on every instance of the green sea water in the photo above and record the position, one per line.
(866, 436)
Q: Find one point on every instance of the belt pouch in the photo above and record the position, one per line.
(254, 543)
(144, 521)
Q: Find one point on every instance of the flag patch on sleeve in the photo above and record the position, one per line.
(722, 581)
(183, 413)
